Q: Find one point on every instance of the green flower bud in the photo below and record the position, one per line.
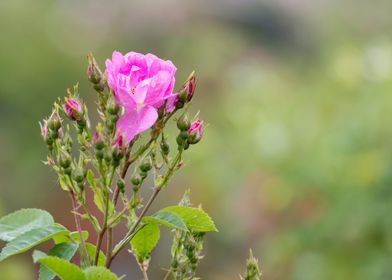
(65, 159)
(165, 148)
(78, 175)
(136, 180)
(145, 165)
(98, 141)
(143, 174)
(99, 154)
(184, 134)
(179, 104)
(183, 123)
(180, 140)
(121, 185)
(113, 107)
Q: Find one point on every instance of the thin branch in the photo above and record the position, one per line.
(79, 227)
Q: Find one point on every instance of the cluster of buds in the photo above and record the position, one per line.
(186, 249)
(190, 133)
(112, 113)
(141, 174)
(51, 129)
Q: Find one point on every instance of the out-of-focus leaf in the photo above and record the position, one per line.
(21, 221)
(62, 268)
(99, 273)
(63, 251)
(30, 239)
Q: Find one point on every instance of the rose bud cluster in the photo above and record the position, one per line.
(190, 133)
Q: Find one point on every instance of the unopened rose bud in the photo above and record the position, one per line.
(113, 107)
(65, 159)
(121, 185)
(180, 140)
(54, 121)
(145, 165)
(73, 108)
(97, 141)
(165, 148)
(118, 147)
(44, 133)
(78, 175)
(94, 74)
(136, 180)
(143, 174)
(195, 132)
(188, 89)
(183, 123)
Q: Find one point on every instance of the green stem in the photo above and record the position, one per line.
(105, 218)
(131, 231)
(79, 228)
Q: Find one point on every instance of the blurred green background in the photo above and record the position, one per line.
(297, 159)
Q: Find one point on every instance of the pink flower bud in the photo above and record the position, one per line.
(188, 89)
(44, 129)
(195, 132)
(73, 108)
(118, 147)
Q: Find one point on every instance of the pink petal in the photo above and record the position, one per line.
(136, 121)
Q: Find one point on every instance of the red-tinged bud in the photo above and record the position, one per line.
(195, 132)
(94, 74)
(44, 129)
(118, 147)
(54, 121)
(97, 141)
(188, 89)
(73, 108)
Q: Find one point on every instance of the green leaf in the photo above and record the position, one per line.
(62, 268)
(73, 236)
(91, 249)
(30, 239)
(21, 221)
(145, 240)
(195, 219)
(169, 219)
(64, 251)
(99, 273)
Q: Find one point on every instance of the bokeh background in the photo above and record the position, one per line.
(296, 162)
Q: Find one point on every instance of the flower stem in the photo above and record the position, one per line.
(129, 235)
(105, 218)
(79, 228)
(132, 230)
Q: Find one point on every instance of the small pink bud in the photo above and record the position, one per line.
(195, 132)
(188, 89)
(73, 108)
(118, 147)
(44, 129)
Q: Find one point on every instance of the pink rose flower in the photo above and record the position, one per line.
(195, 132)
(141, 84)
